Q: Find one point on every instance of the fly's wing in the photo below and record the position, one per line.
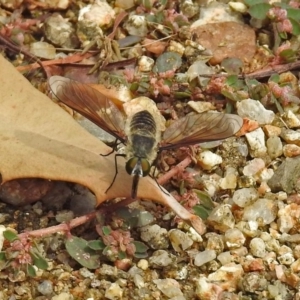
(90, 103)
(205, 127)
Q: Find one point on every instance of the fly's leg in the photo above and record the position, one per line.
(116, 171)
(114, 148)
(153, 177)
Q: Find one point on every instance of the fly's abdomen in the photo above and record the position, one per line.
(142, 134)
(142, 122)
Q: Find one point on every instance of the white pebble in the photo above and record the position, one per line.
(258, 247)
(245, 196)
(204, 257)
(234, 238)
(274, 146)
(208, 160)
(254, 110)
(263, 211)
(114, 292)
(256, 140)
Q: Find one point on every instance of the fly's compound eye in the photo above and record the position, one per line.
(138, 166)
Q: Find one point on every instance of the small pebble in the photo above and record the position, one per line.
(169, 287)
(234, 238)
(244, 197)
(204, 257)
(45, 287)
(256, 140)
(263, 211)
(63, 296)
(258, 247)
(114, 292)
(208, 160)
(291, 150)
(221, 218)
(180, 240)
(155, 236)
(274, 146)
(254, 110)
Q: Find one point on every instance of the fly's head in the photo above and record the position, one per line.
(137, 166)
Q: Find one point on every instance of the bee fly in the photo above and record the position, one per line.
(141, 133)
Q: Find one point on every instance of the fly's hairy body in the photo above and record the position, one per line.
(143, 137)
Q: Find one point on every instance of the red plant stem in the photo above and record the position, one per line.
(65, 227)
(180, 167)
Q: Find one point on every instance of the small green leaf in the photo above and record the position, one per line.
(140, 247)
(201, 211)
(121, 255)
(288, 55)
(96, 245)
(296, 26)
(30, 271)
(252, 2)
(204, 198)
(293, 13)
(2, 255)
(106, 230)
(182, 95)
(79, 250)
(274, 77)
(39, 261)
(259, 10)
(167, 61)
(232, 65)
(231, 80)
(10, 235)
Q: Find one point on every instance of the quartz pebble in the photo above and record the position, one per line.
(114, 292)
(291, 136)
(291, 120)
(155, 236)
(205, 290)
(63, 296)
(256, 140)
(180, 240)
(204, 257)
(43, 50)
(201, 106)
(258, 247)
(45, 287)
(286, 259)
(253, 167)
(271, 130)
(214, 242)
(234, 238)
(225, 258)
(244, 197)
(291, 150)
(161, 258)
(136, 25)
(60, 32)
(263, 211)
(169, 287)
(145, 64)
(230, 179)
(227, 276)
(253, 282)
(221, 218)
(254, 110)
(274, 146)
(208, 160)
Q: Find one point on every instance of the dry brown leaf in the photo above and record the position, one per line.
(38, 139)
